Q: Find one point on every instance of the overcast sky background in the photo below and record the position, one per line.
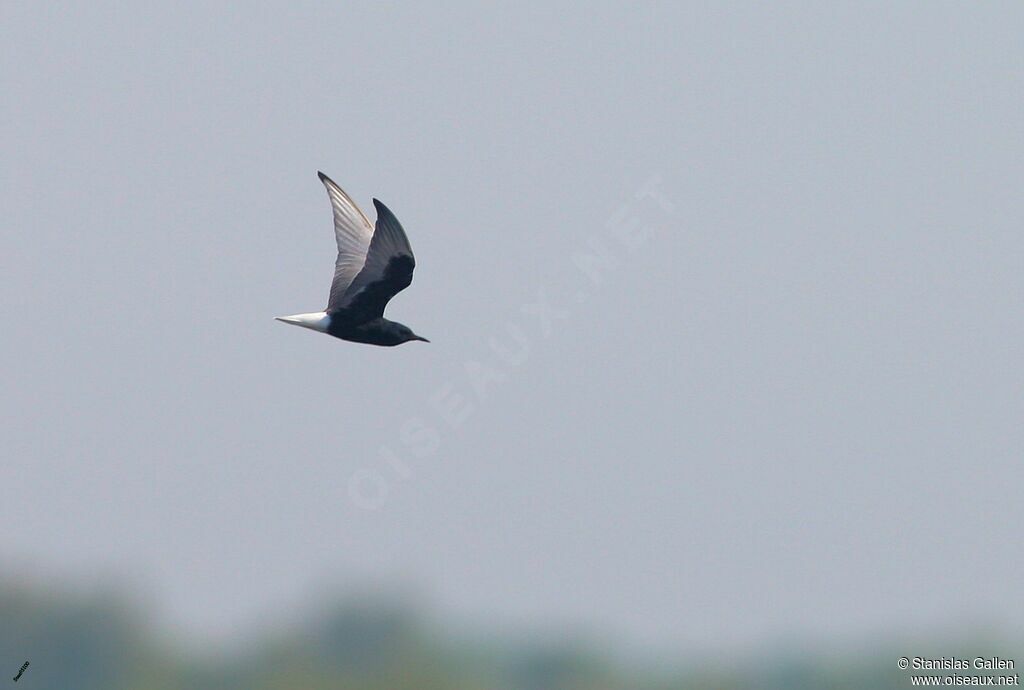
(794, 410)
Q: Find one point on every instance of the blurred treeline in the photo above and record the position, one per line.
(98, 642)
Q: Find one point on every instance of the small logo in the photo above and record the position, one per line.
(22, 670)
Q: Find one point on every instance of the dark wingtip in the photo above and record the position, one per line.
(323, 178)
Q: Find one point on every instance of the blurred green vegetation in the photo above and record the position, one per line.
(98, 642)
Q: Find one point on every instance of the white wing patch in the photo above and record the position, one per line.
(353, 232)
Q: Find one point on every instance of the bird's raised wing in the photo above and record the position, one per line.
(386, 272)
(354, 233)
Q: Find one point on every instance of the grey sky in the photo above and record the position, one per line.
(795, 410)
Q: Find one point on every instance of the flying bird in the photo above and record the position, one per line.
(374, 264)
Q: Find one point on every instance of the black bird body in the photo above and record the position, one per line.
(373, 332)
(373, 266)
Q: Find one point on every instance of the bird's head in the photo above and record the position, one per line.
(405, 334)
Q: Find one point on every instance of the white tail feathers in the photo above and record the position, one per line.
(317, 321)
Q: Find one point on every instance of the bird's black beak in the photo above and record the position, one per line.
(417, 337)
